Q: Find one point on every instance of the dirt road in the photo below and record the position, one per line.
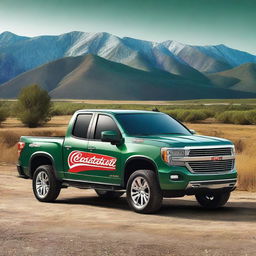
(80, 223)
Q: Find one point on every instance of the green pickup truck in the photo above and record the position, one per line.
(147, 155)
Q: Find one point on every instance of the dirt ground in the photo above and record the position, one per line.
(80, 223)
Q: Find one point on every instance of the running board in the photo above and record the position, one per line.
(90, 185)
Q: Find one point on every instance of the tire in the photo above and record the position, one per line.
(108, 194)
(143, 192)
(212, 200)
(46, 187)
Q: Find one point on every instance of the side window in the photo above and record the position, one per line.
(81, 125)
(104, 123)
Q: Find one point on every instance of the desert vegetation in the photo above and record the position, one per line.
(33, 106)
(4, 113)
(244, 137)
(237, 112)
(233, 120)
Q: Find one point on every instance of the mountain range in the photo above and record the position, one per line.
(104, 66)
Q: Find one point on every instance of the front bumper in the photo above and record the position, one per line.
(194, 187)
(192, 181)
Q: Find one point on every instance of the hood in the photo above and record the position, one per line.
(185, 140)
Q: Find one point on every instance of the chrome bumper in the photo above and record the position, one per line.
(212, 184)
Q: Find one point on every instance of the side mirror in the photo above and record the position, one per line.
(111, 136)
(192, 131)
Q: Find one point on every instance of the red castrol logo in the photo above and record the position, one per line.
(79, 161)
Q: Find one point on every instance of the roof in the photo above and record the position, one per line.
(116, 111)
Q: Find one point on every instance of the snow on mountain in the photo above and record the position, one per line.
(19, 54)
(233, 57)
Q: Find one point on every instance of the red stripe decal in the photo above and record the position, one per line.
(79, 161)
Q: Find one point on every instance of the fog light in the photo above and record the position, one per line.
(174, 177)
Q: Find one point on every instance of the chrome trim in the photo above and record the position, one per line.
(183, 161)
(200, 158)
(212, 184)
(34, 145)
(214, 146)
(208, 173)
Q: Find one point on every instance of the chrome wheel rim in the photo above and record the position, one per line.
(140, 192)
(42, 184)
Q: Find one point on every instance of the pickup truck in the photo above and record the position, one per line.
(147, 155)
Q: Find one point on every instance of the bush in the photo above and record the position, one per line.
(9, 138)
(225, 117)
(251, 116)
(240, 117)
(34, 106)
(195, 116)
(3, 113)
(190, 115)
(237, 117)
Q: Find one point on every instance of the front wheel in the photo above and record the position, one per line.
(143, 192)
(46, 187)
(212, 200)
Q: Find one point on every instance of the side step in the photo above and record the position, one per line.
(90, 185)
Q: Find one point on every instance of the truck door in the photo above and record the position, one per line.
(75, 144)
(106, 158)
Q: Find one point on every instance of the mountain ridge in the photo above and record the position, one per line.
(27, 53)
(93, 77)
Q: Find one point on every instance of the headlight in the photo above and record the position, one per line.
(168, 154)
(233, 150)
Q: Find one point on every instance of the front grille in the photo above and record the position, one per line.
(210, 152)
(212, 166)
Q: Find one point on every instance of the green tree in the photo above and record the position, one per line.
(34, 106)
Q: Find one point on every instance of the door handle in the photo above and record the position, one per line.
(91, 147)
(68, 147)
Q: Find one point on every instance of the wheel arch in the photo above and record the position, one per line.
(41, 158)
(135, 163)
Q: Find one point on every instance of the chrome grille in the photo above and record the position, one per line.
(210, 152)
(212, 166)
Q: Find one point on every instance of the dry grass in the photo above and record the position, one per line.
(244, 137)
(12, 129)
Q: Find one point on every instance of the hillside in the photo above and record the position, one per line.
(93, 77)
(20, 54)
(242, 78)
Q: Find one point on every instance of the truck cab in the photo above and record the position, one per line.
(147, 155)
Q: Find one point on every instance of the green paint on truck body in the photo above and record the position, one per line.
(94, 161)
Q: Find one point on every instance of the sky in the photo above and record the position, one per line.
(196, 22)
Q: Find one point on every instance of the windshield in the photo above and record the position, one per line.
(139, 124)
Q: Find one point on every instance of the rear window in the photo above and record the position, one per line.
(81, 126)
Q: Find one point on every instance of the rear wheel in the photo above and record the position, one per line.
(108, 194)
(46, 187)
(143, 192)
(212, 200)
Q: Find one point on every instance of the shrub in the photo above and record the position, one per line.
(34, 105)
(3, 113)
(237, 117)
(9, 138)
(240, 117)
(172, 113)
(225, 117)
(195, 116)
(251, 116)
